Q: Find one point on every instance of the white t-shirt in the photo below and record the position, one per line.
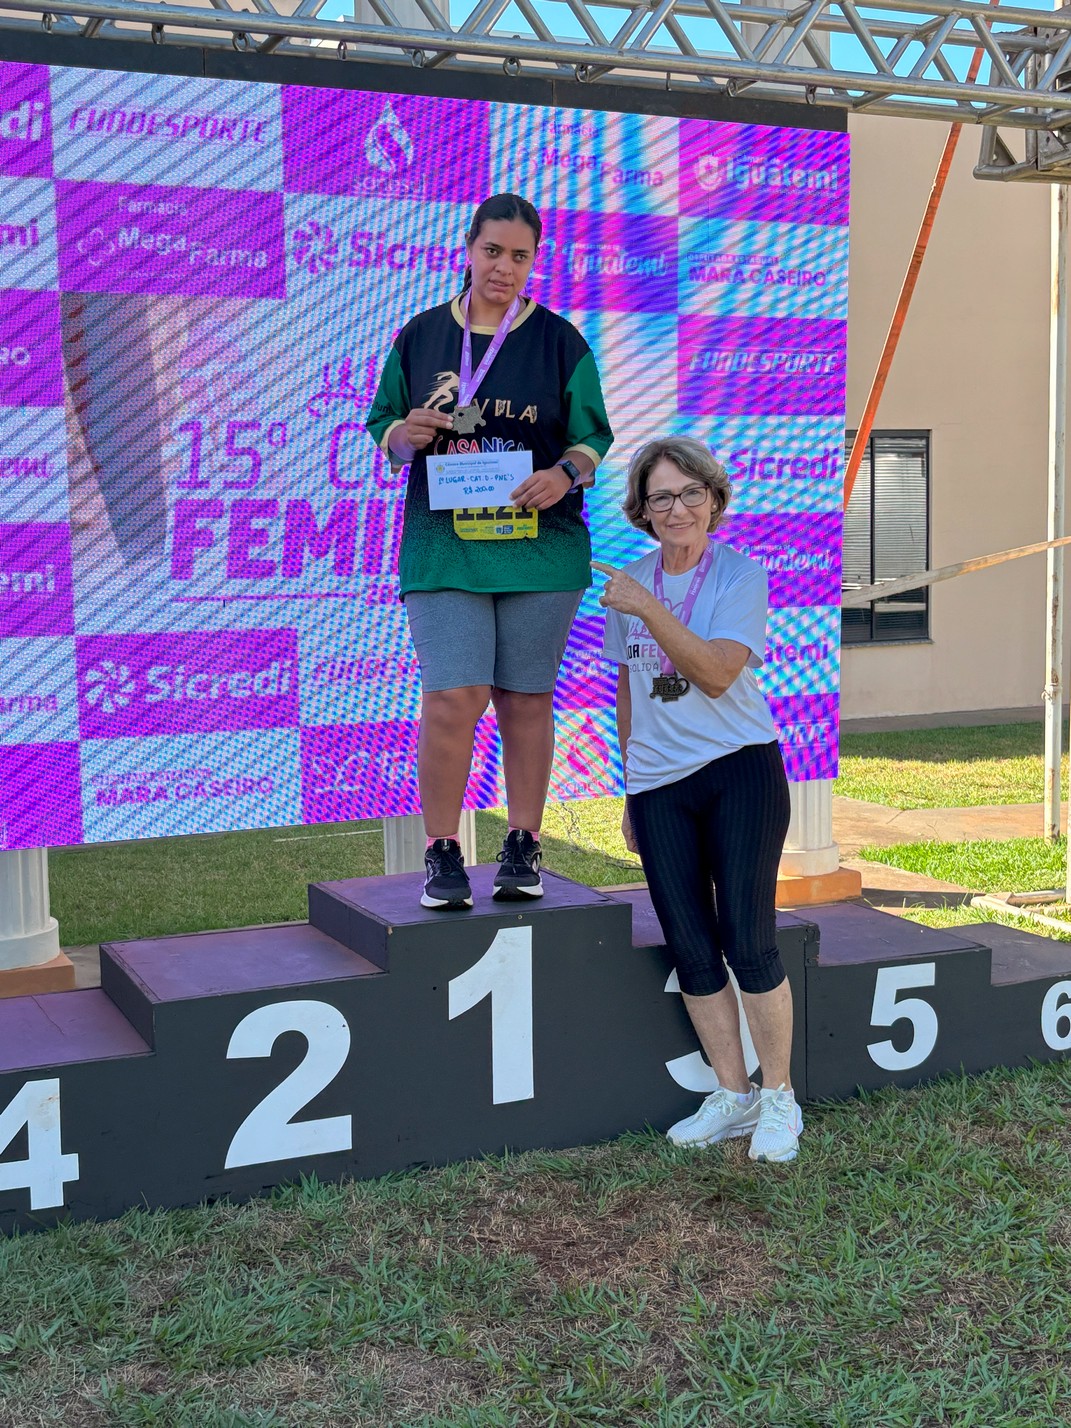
(672, 740)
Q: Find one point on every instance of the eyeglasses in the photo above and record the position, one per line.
(690, 496)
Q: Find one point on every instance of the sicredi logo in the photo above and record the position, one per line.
(26, 121)
(388, 146)
(315, 247)
(110, 687)
(758, 464)
(198, 682)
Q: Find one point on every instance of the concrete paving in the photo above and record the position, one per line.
(857, 824)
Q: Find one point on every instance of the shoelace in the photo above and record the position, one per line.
(720, 1102)
(775, 1112)
(449, 861)
(513, 852)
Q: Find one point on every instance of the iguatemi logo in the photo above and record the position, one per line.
(109, 687)
(388, 147)
(744, 172)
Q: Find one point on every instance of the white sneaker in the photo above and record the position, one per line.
(780, 1125)
(720, 1117)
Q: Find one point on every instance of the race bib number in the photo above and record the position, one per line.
(496, 523)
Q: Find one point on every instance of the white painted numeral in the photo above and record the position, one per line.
(503, 973)
(1056, 1008)
(268, 1132)
(46, 1169)
(693, 1071)
(887, 1010)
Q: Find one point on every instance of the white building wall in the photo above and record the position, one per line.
(972, 368)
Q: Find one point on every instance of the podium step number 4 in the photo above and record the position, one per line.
(380, 1036)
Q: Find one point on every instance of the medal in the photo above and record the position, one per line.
(466, 419)
(467, 413)
(669, 685)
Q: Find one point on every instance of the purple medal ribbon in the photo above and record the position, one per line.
(468, 385)
(701, 572)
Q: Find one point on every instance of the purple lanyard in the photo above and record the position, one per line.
(468, 385)
(702, 570)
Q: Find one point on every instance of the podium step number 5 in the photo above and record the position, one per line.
(887, 1010)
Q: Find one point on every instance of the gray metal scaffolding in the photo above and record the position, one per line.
(896, 57)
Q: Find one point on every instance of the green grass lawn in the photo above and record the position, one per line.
(1013, 865)
(169, 885)
(912, 1268)
(229, 879)
(946, 768)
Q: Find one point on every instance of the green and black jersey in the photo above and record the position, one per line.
(541, 393)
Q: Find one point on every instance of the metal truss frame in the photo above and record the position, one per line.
(906, 57)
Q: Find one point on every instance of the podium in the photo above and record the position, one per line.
(380, 1036)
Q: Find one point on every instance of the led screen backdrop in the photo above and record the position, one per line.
(199, 280)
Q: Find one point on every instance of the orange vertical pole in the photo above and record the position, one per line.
(903, 302)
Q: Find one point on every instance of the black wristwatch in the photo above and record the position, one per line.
(572, 471)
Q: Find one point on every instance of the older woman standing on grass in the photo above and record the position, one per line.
(708, 804)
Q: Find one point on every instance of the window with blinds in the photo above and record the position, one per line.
(887, 534)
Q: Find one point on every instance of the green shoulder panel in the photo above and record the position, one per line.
(587, 425)
(391, 403)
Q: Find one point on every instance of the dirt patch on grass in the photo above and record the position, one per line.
(642, 1240)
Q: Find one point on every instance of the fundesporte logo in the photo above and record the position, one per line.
(388, 147)
(109, 686)
(315, 247)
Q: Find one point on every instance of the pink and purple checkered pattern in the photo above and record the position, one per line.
(199, 282)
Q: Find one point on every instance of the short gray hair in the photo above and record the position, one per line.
(689, 456)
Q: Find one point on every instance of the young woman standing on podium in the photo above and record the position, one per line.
(491, 593)
(708, 805)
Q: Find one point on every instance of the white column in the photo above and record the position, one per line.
(29, 935)
(404, 842)
(1054, 559)
(809, 847)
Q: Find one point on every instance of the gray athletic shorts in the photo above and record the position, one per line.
(512, 641)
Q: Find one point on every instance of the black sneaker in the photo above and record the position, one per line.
(446, 884)
(518, 877)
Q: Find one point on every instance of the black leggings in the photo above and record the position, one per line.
(722, 827)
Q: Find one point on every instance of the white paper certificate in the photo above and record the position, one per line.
(483, 478)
